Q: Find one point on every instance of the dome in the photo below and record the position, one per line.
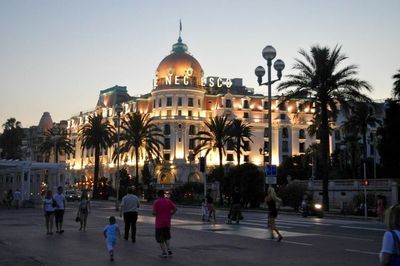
(45, 122)
(179, 68)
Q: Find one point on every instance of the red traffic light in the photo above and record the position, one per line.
(366, 182)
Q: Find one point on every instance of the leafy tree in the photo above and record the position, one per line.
(240, 132)
(296, 166)
(140, 135)
(326, 85)
(96, 134)
(396, 84)
(216, 136)
(292, 194)
(11, 139)
(56, 144)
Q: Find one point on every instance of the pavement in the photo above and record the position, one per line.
(307, 241)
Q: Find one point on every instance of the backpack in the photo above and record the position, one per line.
(395, 258)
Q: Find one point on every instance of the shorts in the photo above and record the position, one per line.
(59, 214)
(163, 234)
(110, 245)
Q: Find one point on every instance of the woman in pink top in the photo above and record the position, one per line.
(163, 209)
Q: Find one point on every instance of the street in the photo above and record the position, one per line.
(306, 241)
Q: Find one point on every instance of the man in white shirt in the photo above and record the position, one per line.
(59, 199)
(129, 206)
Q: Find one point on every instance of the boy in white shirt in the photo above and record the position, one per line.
(111, 231)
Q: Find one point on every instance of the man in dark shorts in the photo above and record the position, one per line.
(59, 199)
(163, 209)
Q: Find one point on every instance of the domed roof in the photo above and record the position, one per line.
(45, 122)
(181, 66)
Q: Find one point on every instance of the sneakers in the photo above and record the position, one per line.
(280, 238)
(169, 252)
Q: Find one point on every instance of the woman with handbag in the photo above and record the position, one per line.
(83, 210)
(390, 253)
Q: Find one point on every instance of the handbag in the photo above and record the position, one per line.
(395, 257)
(77, 219)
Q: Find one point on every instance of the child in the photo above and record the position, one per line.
(204, 211)
(110, 233)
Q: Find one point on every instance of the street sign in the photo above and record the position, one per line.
(271, 170)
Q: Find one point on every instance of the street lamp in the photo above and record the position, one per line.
(269, 54)
(117, 120)
(55, 132)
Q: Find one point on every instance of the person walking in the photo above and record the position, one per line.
(235, 212)
(17, 198)
(59, 209)
(272, 201)
(111, 231)
(83, 210)
(129, 207)
(210, 206)
(9, 198)
(380, 208)
(163, 209)
(390, 253)
(48, 209)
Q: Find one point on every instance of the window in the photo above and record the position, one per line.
(190, 102)
(282, 116)
(265, 118)
(266, 105)
(167, 129)
(154, 104)
(302, 147)
(159, 103)
(246, 158)
(192, 130)
(228, 103)
(245, 115)
(266, 145)
(190, 113)
(230, 145)
(166, 156)
(192, 144)
(246, 145)
(301, 107)
(167, 143)
(302, 134)
(169, 101)
(266, 132)
(169, 113)
(285, 146)
(285, 133)
(229, 157)
(199, 102)
(179, 112)
(179, 101)
(266, 159)
(246, 104)
(282, 107)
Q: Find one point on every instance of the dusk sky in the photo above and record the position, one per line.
(56, 56)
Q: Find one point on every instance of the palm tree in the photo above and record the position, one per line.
(216, 136)
(11, 139)
(396, 84)
(139, 135)
(96, 134)
(361, 117)
(54, 143)
(240, 132)
(326, 85)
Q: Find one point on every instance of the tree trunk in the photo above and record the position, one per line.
(96, 171)
(238, 151)
(221, 176)
(137, 168)
(324, 135)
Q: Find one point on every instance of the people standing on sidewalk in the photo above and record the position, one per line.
(272, 201)
(111, 231)
(390, 253)
(163, 209)
(59, 210)
(48, 209)
(129, 207)
(17, 198)
(210, 206)
(83, 210)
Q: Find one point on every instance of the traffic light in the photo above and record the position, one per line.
(366, 182)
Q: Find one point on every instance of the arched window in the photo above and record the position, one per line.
(192, 130)
(302, 134)
(167, 129)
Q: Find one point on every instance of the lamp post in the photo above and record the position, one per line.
(55, 131)
(263, 152)
(117, 121)
(269, 54)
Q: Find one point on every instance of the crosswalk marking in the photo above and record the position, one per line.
(363, 228)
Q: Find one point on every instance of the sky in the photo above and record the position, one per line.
(57, 55)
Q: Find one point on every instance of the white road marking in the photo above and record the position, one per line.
(362, 252)
(363, 228)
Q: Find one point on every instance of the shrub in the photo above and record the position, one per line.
(292, 194)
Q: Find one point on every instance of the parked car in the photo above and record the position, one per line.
(72, 195)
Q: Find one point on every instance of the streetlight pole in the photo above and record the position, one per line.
(117, 121)
(269, 54)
